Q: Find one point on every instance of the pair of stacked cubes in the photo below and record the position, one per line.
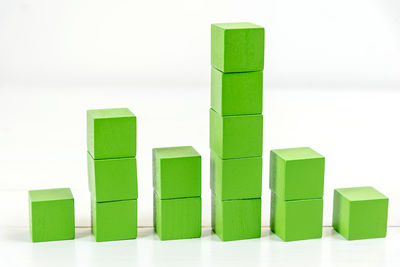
(177, 192)
(112, 171)
(236, 129)
(297, 185)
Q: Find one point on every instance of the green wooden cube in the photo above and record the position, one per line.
(237, 47)
(360, 213)
(113, 179)
(114, 220)
(236, 93)
(236, 219)
(176, 172)
(178, 218)
(111, 133)
(236, 136)
(293, 220)
(51, 214)
(297, 173)
(236, 178)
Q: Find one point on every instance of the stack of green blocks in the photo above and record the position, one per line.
(297, 185)
(236, 129)
(177, 192)
(111, 141)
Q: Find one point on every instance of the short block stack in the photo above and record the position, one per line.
(297, 188)
(236, 129)
(111, 140)
(177, 192)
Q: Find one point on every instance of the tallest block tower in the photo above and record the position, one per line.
(236, 129)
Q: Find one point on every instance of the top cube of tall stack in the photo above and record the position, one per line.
(237, 47)
(111, 133)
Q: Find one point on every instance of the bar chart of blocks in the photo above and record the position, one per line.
(296, 175)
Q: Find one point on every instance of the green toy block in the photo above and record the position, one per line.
(237, 47)
(236, 219)
(236, 136)
(51, 214)
(111, 133)
(114, 220)
(113, 179)
(236, 178)
(293, 220)
(236, 93)
(297, 173)
(176, 172)
(178, 218)
(360, 213)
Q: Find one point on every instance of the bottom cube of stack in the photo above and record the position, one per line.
(296, 219)
(236, 219)
(177, 218)
(114, 220)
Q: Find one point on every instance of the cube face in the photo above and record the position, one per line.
(177, 218)
(177, 172)
(236, 219)
(237, 47)
(297, 173)
(113, 179)
(115, 220)
(111, 133)
(296, 219)
(51, 214)
(236, 136)
(360, 213)
(236, 93)
(236, 178)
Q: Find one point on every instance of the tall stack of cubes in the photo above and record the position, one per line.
(112, 171)
(297, 188)
(236, 129)
(177, 192)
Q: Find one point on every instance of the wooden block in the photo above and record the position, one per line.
(51, 214)
(178, 218)
(297, 173)
(112, 179)
(237, 47)
(176, 172)
(238, 93)
(236, 219)
(111, 133)
(115, 220)
(236, 178)
(293, 220)
(360, 213)
(237, 136)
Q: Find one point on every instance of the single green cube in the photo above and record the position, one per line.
(293, 220)
(236, 93)
(236, 219)
(111, 133)
(178, 218)
(51, 214)
(176, 172)
(237, 47)
(297, 173)
(114, 220)
(360, 213)
(238, 136)
(236, 178)
(113, 179)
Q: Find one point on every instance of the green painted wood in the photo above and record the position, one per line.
(360, 213)
(237, 47)
(178, 218)
(51, 214)
(111, 133)
(293, 220)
